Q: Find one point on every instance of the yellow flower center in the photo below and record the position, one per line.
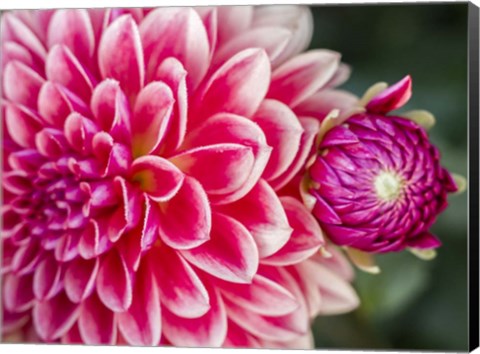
(388, 185)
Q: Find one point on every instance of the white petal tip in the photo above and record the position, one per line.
(423, 118)
(363, 260)
(426, 255)
(461, 183)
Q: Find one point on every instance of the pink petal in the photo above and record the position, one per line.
(17, 182)
(206, 331)
(297, 19)
(190, 227)
(152, 115)
(96, 323)
(237, 337)
(280, 328)
(158, 177)
(113, 158)
(425, 241)
(17, 293)
(306, 239)
(178, 33)
(94, 240)
(262, 296)
(230, 254)
(392, 98)
(16, 30)
(221, 168)
(172, 72)
(67, 247)
(337, 295)
(55, 103)
(12, 322)
(141, 324)
(122, 38)
(79, 132)
(321, 103)
(54, 317)
(26, 258)
(232, 21)
(181, 290)
(303, 75)
(229, 128)
(272, 39)
(111, 110)
(37, 21)
(62, 67)
(310, 127)
(283, 132)
(51, 143)
(80, 278)
(238, 86)
(21, 84)
(73, 28)
(12, 51)
(341, 75)
(28, 160)
(22, 125)
(210, 21)
(114, 284)
(72, 336)
(261, 212)
(48, 278)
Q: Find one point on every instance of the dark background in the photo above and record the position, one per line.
(412, 304)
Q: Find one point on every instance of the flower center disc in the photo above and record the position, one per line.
(388, 185)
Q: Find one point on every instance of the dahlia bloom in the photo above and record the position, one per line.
(376, 184)
(144, 153)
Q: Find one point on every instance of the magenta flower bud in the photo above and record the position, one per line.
(377, 180)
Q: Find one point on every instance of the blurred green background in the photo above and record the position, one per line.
(412, 304)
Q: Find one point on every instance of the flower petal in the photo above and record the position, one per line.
(391, 98)
(114, 284)
(283, 132)
(230, 254)
(232, 21)
(261, 212)
(17, 293)
(297, 19)
(206, 331)
(22, 125)
(181, 290)
(21, 84)
(55, 103)
(262, 296)
(272, 39)
(220, 168)
(141, 324)
(172, 72)
(73, 28)
(230, 128)
(48, 278)
(158, 177)
(175, 32)
(96, 323)
(80, 278)
(152, 115)
(111, 110)
(303, 75)
(62, 67)
(53, 318)
(122, 38)
(306, 238)
(238, 86)
(190, 227)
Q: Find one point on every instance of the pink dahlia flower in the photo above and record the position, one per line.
(143, 152)
(377, 181)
